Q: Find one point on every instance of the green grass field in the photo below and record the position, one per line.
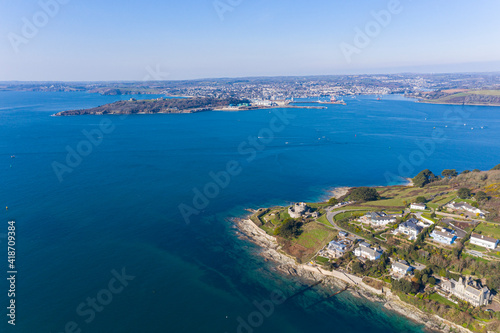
(314, 236)
(428, 216)
(322, 260)
(396, 197)
(350, 213)
(489, 229)
(486, 92)
(438, 298)
(323, 220)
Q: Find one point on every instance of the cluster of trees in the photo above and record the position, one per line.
(496, 167)
(375, 268)
(405, 286)
(290, 228)
(424, 177)
(333, 201)
(464, 193)
(449, 173)
(421, 199)
(481, 196)
(364, 194)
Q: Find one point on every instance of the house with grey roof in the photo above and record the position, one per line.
(380, 218)
(483, 241)
(401, 268)
(336, 248)
(410, 228)
(443, 237)
(418, 206)
(366, 251)
(468, 290)
(464, 206)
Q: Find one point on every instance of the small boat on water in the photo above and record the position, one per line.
(13, 156)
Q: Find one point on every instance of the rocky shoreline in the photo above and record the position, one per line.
(270, 250)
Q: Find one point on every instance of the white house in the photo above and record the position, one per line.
(364, 250)
(410, 228)
(483, 241)
(418, 206)
(336, 248)
(466, 207)
(380, 218)
(401, 268)
(443, 237)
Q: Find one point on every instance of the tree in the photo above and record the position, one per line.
(432, 281)
(464, 193)
(496, 167)
(449, 173)
(333, 201)
(290, 229)
(481, 196)
(364, 194)
(421, 199)
(465, 172)
(433, 215)
(424, 177)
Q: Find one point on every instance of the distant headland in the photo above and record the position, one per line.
(180, 105)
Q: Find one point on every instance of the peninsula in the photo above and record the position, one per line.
(487, 97)
(427, 250)
(181, 105)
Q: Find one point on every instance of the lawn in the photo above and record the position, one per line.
(489, 229)
(315, 236)
(323, 220)
(350, 213)
(443, 300)
(322, 260)
(428, 216)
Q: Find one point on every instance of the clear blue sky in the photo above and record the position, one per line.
(120, 39)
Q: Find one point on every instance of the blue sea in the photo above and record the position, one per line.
(122, 222)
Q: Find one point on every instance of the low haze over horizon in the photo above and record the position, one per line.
(65, 40)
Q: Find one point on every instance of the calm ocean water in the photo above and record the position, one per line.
(117, 207)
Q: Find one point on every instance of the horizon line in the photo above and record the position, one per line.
(249, 77)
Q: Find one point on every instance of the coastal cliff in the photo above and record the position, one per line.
(285, 264)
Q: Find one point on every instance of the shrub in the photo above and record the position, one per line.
(464, 193)
(364, 194)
